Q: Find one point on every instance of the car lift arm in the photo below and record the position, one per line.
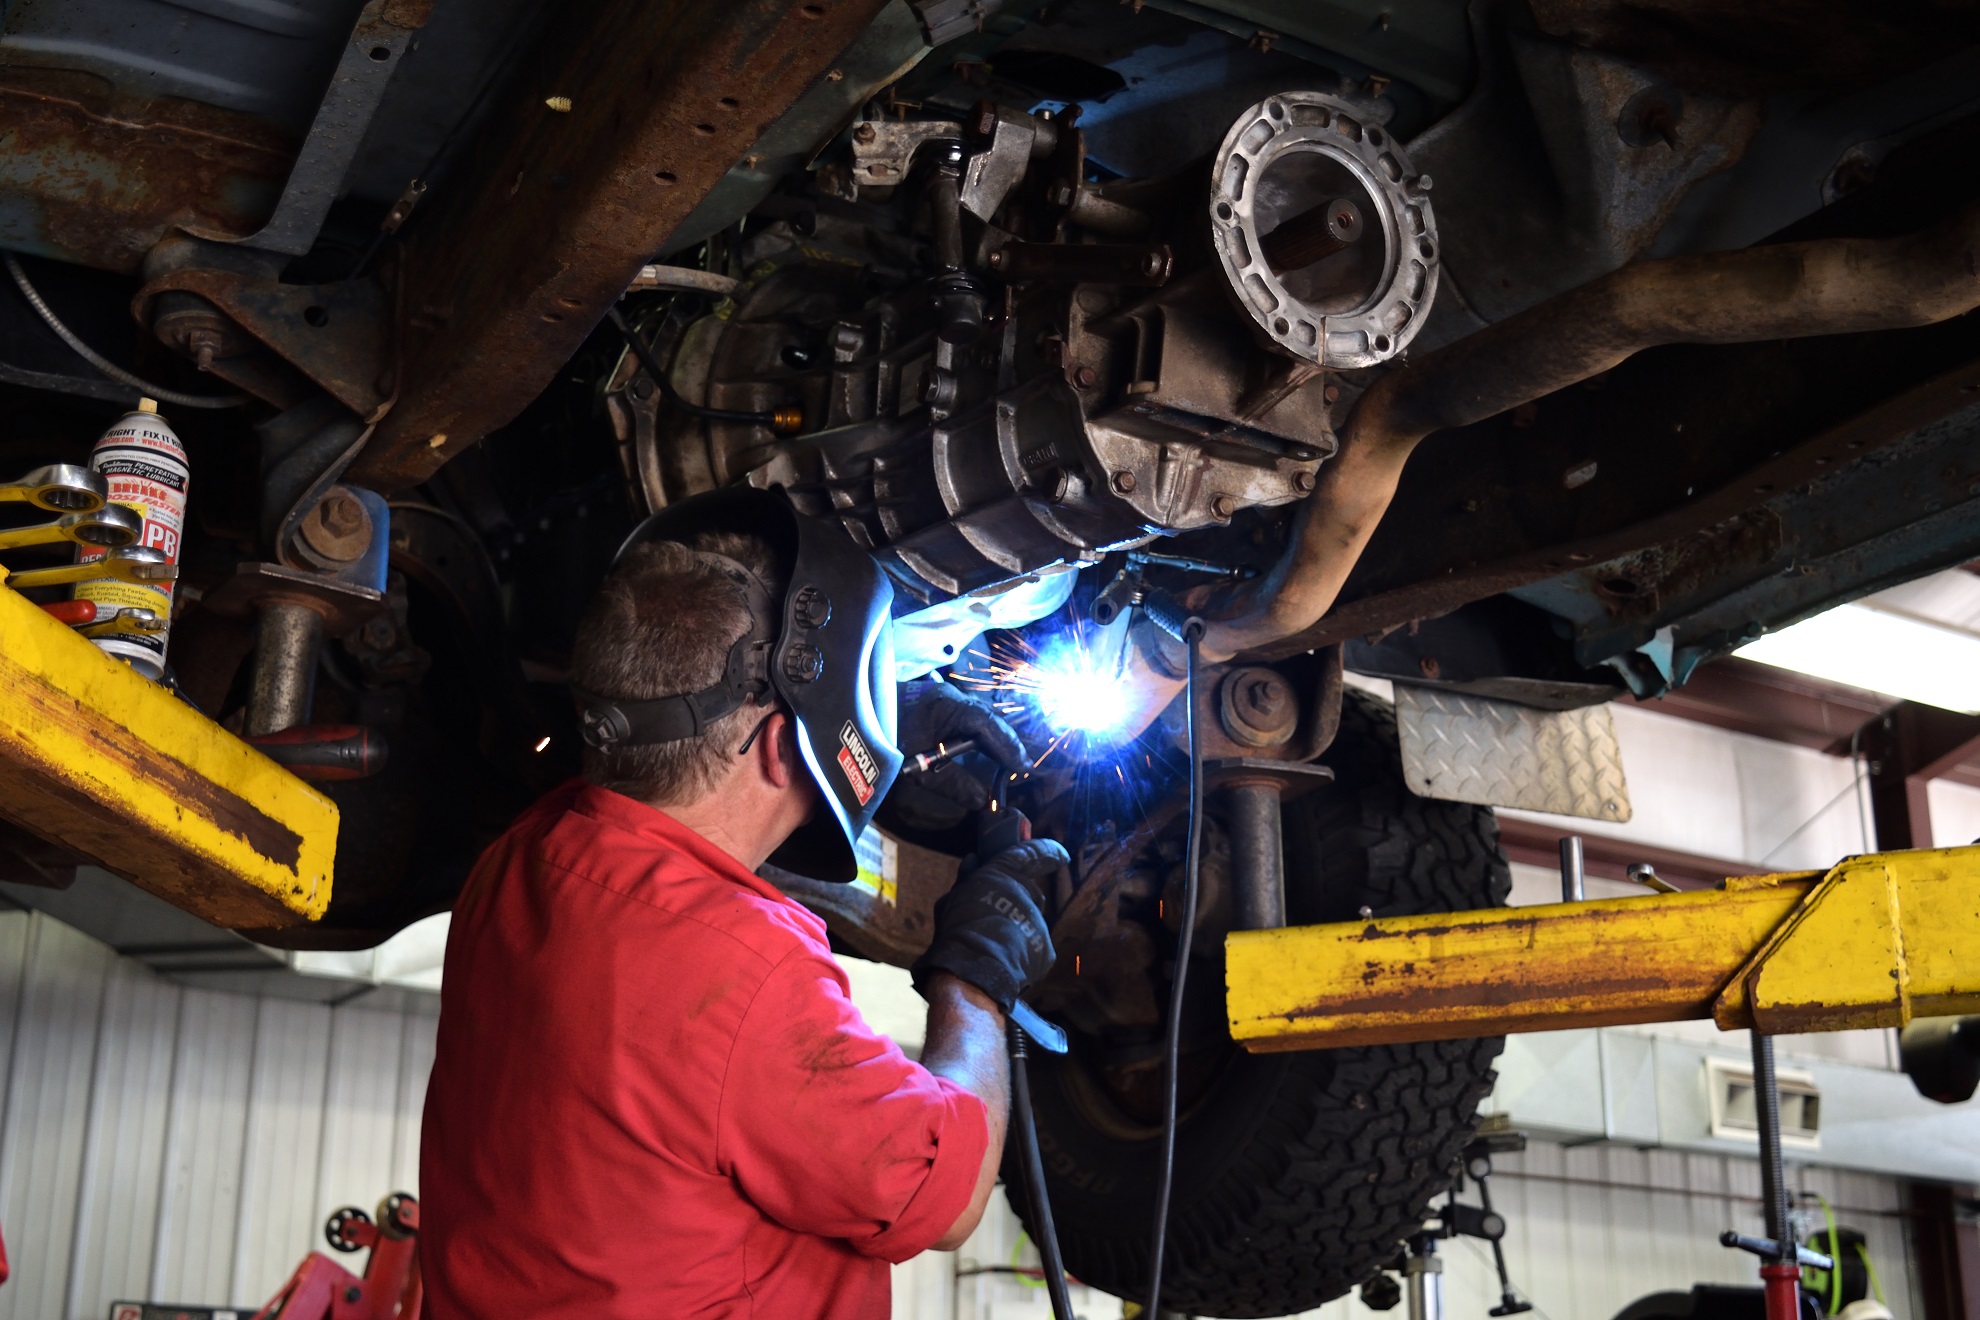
(111, 765)
(1873, 942)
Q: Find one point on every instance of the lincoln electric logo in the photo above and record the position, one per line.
(857, 762)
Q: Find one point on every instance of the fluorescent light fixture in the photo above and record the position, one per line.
(1871, 645)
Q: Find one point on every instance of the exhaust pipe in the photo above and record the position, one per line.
(1784, 291)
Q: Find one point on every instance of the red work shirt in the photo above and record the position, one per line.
(653, 1098)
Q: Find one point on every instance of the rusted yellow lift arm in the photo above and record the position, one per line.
(99, 760)
(1873, 942)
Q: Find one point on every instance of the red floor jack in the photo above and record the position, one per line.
(321, 1289)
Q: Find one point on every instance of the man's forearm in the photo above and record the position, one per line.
(965, 1045)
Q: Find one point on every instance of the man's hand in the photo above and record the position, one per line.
(989, 930)
(934, 714)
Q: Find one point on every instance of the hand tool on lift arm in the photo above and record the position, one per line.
(129, 563)
(109, 526)
(58, 488)
(390, 1289)
(998, 828)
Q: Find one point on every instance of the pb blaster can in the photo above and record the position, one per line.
(143, 463)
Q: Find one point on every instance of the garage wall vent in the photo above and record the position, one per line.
(1733, 1104)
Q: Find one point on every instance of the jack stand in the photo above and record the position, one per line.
(1423, 1271)
(1780, 1268)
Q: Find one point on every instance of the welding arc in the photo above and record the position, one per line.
(104, 364)
(1192, 638)
(674, 400)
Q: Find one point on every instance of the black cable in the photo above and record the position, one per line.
(1191, 632)
(674, 400)
(1033, 1164)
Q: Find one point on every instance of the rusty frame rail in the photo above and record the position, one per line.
(110, 765)
(548, 223)
(1873, 942)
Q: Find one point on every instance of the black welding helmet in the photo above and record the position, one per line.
(826, 648)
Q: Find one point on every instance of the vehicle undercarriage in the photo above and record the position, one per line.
(1529, 354)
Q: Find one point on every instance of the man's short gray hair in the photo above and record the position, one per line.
(662, 624)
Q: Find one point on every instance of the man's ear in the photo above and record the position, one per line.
(777, 752)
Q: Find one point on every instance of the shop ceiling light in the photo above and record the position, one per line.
(1871, 645)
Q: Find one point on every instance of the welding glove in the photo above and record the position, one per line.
(990, 930)
(933, 713)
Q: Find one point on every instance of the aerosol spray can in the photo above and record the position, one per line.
(145, 467)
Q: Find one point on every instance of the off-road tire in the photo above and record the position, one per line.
(1298, 1174)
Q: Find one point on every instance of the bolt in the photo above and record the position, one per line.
(1061, 195)
(1428, 664)
(1332, 394)
(342, 514)
(1304, 482)
(983, 121)
(1123, 482)
(999, 259)
(1222, 507)
(1085, 377)
(865, 133)
(377, 633)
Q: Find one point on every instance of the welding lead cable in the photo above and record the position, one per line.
(1033, 1163)
(674, 400)
(1191, 633)
(105, 365)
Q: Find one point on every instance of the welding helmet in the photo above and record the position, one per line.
(825, 647)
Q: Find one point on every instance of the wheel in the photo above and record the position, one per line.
(1297, 1175)
(336, 1229)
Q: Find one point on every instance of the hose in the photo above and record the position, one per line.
(780, 421)
(105, 365)
(1190, 632)
(1033, 1164)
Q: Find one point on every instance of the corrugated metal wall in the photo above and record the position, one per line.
(182, 1145)
(1591, 1229)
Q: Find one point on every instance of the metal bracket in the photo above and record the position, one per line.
(377, 43)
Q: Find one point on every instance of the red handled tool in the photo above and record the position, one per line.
(324, 752)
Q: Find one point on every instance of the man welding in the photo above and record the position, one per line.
(652, 1096)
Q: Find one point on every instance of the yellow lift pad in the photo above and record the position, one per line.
(1872, 942)
(102, 761)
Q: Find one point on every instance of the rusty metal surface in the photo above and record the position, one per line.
(1741, 47)
(95, 177)
(105, 763)
(1873, 942)
(337, 336)
(1783, 291)
(514, 263)
(1445, 976)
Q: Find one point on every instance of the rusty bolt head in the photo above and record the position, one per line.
(338, 529)
(999, 259)
(342, 514)
(1331, 394)
(378, 633)
(1085, 377)
(1428, 664)
(1122, 482)
(1222, 507)
(864, 133)
(1304, 482)
(1258, 707)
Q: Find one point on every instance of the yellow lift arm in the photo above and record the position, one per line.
(1873, 942)
(113, 766)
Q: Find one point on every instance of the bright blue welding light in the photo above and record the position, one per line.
(1075, 691)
